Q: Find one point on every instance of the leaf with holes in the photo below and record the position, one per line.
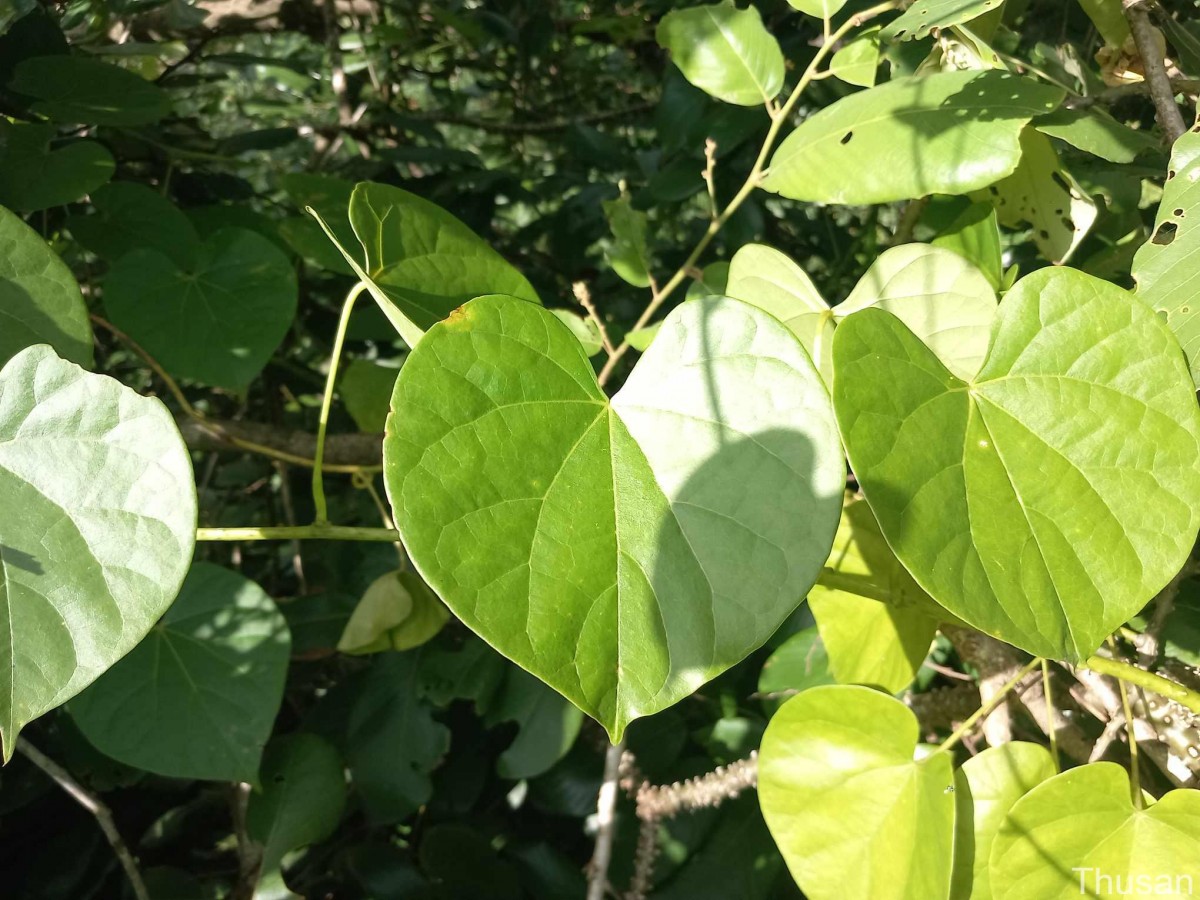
(82, 91)
(1082, 824)
(40, 303)
(985, 789)
(97, 525)
(876, 623)
(198, 697)
(1043, 194)
(847, 802)
(946, 133)
(725, 51)
(636, 547)
(924, 16)
(33, 177)
(217, 322)
(1165, 266)
(1080, 437)
(942, 298)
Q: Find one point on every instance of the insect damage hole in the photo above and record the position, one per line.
(1164, 234)
(846, 137)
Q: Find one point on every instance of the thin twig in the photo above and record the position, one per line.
(606, 823)
(584, 296)
(908, 220)
(709, 173)
(1146, 37)
(94, 805)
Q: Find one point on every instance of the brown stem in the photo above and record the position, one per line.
(606, 825)
(1145, 36)
(94, 805)
(343, 452)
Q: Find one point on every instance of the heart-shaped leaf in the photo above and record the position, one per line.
(910, 138)
(218, 322)
(1078, 835)
(1047, 500)
(625, 552)
(875, 621)
(33, 177)
(40, 302)
(854, 814)
(1165, 265)
(725, 51)
(97, 524)
(198, 697)
(985, 789)
(82, 91)
(130, 216)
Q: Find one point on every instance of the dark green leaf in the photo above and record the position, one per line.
(78, 90)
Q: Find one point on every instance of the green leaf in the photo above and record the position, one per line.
(1094, 131)
(218, 322)
(1080, 436)
(97, 525)
(924, 16)
(712, 283)
(39, 299)
(875, 621)
(798, 664)
(330, 197)
(975, 235)
(1085, 819)
(303, 793)
(1109, 18)
(985, 789)
(131, 216)
(423, 261)
(81, 91)
(940, 296)
(847, 803)
(1043, 193)
(626, 539)
(641, 338)
(822, 9)
(585, 330)
(1165, 266)
(857, 62)
(725, 51)
(947, 133)
(366, 391)
(33, 177)
(198, 697)
(397, 612)
(627, 255)
(548, 725)
(770, 280)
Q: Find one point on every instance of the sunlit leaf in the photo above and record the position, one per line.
(1080, 436)
(584, 329)
(198, 697)
(822, 9)
(1095, 131)
(628, 255)
(858, 61)
(725, 51)
(923, 16)
(627, 540)
(975, 235)
(397, 612)
(947, 133)
(40, 302)
(847, 803)
(97, 524)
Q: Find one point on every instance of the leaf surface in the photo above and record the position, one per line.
(946, 133)
(97, 525)
(198, 697)
(638, 547)
(923, 16)
(82, 91)
(33, 177)
(1046, 501)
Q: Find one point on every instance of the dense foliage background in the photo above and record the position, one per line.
(526, 119)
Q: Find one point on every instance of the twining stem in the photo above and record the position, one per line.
(606, 823)
(779, 118)
(93, 805)
(339, 339)
(1135, 778)
(299, 533)
(1172, 690)
(965, 728)
(1051, 730)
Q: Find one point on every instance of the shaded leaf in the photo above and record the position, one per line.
(33, 177)
(548, 725)
(975, 235)
(131, 216)
(584, 329)
(81, 91)
(1096, 132)
(798, 664)
(366, 391)
(627, 255)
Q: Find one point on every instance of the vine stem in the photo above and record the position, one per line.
(299, 533)
(1051, 729)
(339, 340)
(778, 119)
(964, 729)
(1172, 690)
(606, 822)
(95, 806)
(1161, 91)
(1135, 778)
